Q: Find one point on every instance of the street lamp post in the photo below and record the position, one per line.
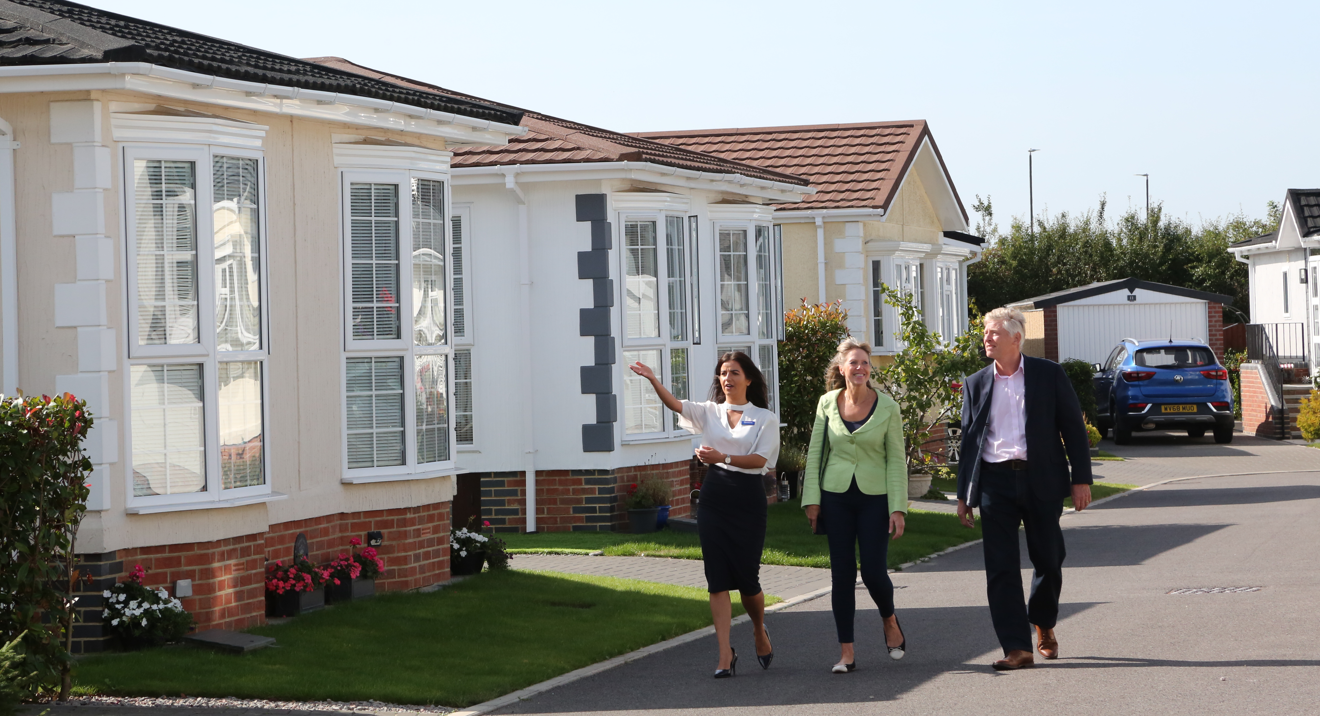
(1031, 194)
(1147, 176)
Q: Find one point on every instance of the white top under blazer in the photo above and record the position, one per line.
(757, 432)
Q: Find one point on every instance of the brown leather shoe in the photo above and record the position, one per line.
(1048, 645)
(1016, 659)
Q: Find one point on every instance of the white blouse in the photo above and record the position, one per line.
(757, 432)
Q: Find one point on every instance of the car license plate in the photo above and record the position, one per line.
(1178, 409)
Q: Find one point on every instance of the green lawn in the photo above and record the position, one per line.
(473, 641)
(788, 540)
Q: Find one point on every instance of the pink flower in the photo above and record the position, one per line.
(355, 542)
(485, 523)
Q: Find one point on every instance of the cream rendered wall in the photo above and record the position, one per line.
(800, 264)
(304, 425)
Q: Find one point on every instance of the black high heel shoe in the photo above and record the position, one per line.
(733, 667)
(765, 660)
(897, 652)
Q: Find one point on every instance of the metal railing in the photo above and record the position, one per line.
(1277, 347)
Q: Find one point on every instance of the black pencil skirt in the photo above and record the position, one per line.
(731, 523)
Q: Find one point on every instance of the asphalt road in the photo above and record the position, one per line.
(1127, 645)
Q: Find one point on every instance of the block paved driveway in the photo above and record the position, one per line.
(1127, 645)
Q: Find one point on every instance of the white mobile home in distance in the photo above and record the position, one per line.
(585, 250)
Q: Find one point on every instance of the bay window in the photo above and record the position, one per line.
(197, 345)
(397, 377)
(659, 310)
(750, 275)
(460, 271)
(950, 307)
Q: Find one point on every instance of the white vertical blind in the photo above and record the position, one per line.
(374, 250)
(375, 411)
(463, 414)
(458, 270)
(165, 199)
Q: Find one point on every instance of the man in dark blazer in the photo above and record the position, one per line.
(1022, 427)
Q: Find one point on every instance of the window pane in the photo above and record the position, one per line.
(166, 239)
(778, 274)
(374, 388)
(676, 255)
(733, 282)
(643, 295)
(694, 279)
(235, 223)
(765, 297)
(428, 263)
(678, 376)
(374, 260)
(641, 404)
(877, 306)
(241, 434)
(463, 426)
(459, 279)
(766, 361)
(169, 447)
(431, 394)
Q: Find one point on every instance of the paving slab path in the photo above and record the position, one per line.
(1128, 644)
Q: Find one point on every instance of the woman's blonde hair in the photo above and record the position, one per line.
(833, 378)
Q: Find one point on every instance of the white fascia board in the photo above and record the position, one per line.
(905, 249)
(273, 99)
(1255, 249)
(956, 247)
(640, 171)
(808, 216)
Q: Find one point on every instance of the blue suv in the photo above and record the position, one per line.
(1163, 385)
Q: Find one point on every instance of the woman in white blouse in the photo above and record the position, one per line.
(740, 438)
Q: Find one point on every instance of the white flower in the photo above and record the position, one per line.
(105, 614)
(144, 622)
(106, 594)
(462, 553)
(114, 622)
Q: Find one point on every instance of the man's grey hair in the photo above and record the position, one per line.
(1010, 319)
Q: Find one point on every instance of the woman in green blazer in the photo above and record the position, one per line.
(859, 493)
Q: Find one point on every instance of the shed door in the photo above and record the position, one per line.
(1091, 332)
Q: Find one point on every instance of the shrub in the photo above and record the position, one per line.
(1092, 434)
(1233, 361)
(926, 375)
(811, 333)
(368, 561)
(299, 576)
(43, 497)
(1082, 377)
(497, 553)
(462, 541)
(1308, 416)
(18, 680)
(139, 616)
(652, 492)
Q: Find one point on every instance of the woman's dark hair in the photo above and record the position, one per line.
(756, 392)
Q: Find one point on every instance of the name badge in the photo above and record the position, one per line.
(747, 421)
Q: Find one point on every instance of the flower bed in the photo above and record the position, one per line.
(139, 617)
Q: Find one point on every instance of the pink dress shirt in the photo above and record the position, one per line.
(1006, 433)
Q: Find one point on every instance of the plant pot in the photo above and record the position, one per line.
(363, 588)
(643, 520)
(918, 485)
(292, 604)
(339, 593)
(1095, 451)
(460, 565)
(661, 516)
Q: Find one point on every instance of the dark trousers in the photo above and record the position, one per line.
(855, 520)
(1007, 501)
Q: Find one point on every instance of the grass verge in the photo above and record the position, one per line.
(462, 645)
(788, 540)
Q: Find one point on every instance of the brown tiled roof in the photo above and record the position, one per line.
(551, 140)
(852, 166)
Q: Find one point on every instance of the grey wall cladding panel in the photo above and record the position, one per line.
(605, 350)
(593, 321)
(594, 264)
(590, 207)
(597, 379)
(602, 292)
(598, 437)
(607, 408)
(602, 235)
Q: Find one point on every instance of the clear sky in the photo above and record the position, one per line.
(1213, 99)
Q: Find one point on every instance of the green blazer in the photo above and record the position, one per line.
(874, 454)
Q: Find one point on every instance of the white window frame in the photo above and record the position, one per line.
(750, 340)
(464, 213)
(948, 299)
(403, 347)
(204, 352)
(662, 342)
(475, 445)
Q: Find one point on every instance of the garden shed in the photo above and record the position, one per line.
(1088, 321)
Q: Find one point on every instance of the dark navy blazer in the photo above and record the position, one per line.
(1052, 412)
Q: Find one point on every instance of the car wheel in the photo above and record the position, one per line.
(1122, 433)
(1223, 435)
(1195, 432)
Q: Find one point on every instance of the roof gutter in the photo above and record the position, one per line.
(256, 89)
(741, 180)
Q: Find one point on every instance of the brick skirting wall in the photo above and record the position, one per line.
(228, 576)
(576, 500)
(1051, 333)
(1257, 412)
(1214, 321)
